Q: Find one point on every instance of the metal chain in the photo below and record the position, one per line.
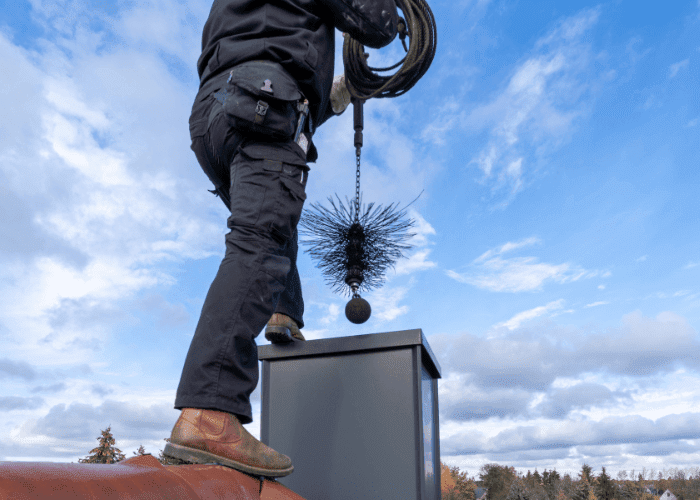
(357, 187)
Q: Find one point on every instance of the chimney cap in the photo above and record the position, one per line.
(367, 342)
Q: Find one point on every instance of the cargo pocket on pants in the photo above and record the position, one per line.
(290, 202)
(249, 188)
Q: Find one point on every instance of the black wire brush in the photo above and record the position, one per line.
(354, 250)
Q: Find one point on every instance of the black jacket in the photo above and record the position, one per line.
(298, 34)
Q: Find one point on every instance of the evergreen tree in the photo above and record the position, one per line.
(586, 471)
(536, 489)
(497, 480)
(106, 452)
(630, 490)
(583, 490)
(529, 481)
(550, 482)
(604, 487)
(566, 488)
(536, 476)
(141, 451)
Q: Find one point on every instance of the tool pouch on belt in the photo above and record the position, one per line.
(262, 99)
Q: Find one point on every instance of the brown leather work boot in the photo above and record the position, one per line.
(210, 436)
(281, 328)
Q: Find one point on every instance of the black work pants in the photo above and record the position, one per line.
(258, 275)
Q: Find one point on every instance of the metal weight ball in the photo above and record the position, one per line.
(358, 310)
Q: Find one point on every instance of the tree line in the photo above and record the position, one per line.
(504, 483)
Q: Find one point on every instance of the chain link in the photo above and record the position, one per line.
(357, 187)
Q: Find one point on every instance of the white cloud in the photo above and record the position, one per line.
(533, 112)
(421, 228)
(676, 67)
(333, 312)
(640, 347)
(596, 304)
(63, 95)
(102, 175)
(70, 431)
(513, 174)
(169, 315)
(516, 274)
(525, 92)
(165, 24)
(414, 262)
(572, 28)
(536, 312)
(392, 170)
(436, 132)
(617, 395)
(508, 247)
(385, 303)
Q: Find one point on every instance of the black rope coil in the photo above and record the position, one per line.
(419, 26)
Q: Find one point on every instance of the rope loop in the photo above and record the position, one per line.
(362, 80)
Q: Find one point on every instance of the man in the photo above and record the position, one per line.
(271, 52)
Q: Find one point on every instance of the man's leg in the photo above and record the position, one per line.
(284, 325)
(267, 196)
(291, 302)
(221, 369)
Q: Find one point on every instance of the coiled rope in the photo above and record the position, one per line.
(362, 80)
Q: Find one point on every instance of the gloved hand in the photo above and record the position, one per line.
(340, 96)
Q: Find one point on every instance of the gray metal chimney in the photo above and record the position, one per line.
(357, 415)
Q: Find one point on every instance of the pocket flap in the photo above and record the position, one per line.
(294, 187)
(286, 153)
(265, 78)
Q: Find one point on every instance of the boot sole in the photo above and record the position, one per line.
(279, 334)
(195, 456)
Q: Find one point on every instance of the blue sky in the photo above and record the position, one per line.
(555, 268)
